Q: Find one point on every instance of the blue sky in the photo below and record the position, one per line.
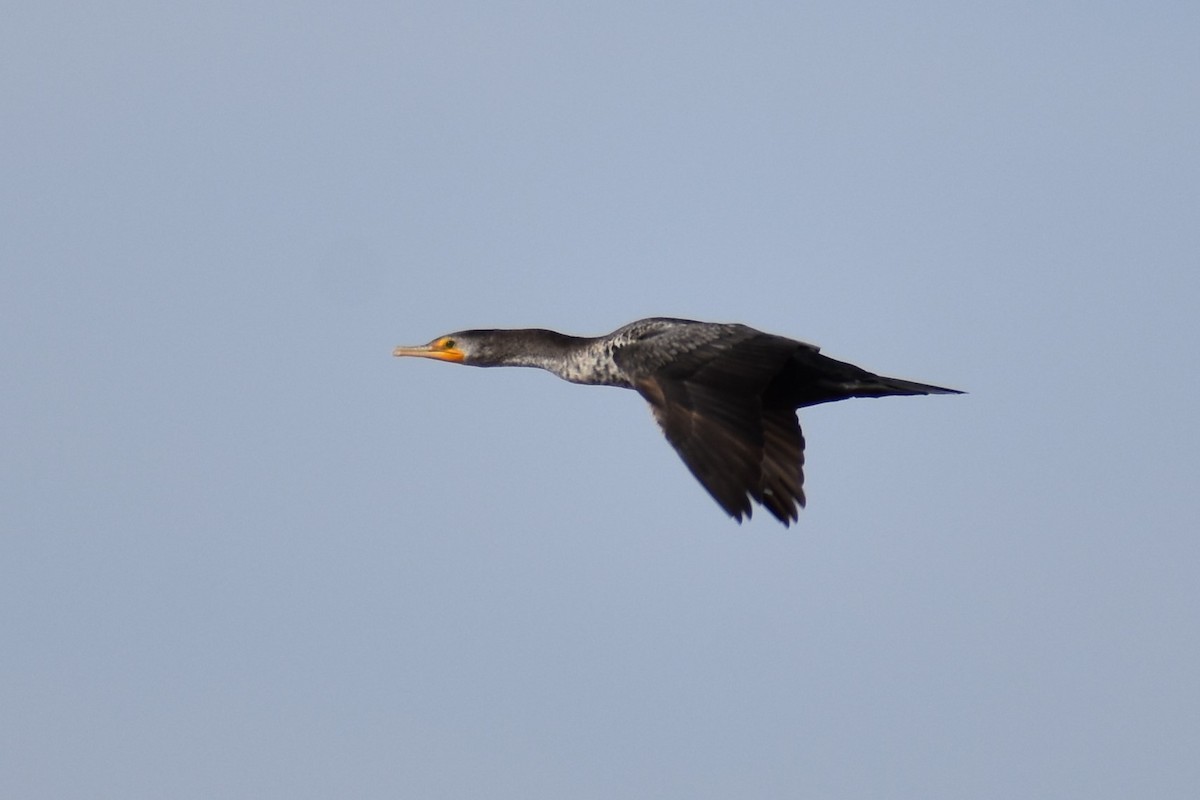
(246, 553)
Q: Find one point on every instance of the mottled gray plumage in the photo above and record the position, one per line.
(724, 394)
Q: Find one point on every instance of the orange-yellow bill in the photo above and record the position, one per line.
(442, 349)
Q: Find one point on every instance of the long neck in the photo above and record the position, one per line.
(573, 358)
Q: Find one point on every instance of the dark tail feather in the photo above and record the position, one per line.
(879, 386)
(820, 379)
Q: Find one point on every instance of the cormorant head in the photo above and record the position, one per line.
(476, 348)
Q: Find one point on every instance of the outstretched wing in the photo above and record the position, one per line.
(710, 404)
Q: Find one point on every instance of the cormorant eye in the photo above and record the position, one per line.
(447, 343)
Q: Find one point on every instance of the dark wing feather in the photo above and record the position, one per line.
(710, 404)
(724, 457)
(782, 479)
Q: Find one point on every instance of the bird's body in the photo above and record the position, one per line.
(724, 394)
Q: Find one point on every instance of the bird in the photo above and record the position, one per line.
(724, 394)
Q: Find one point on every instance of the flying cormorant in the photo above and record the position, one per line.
(724, 394)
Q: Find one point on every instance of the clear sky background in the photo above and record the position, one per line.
(245, 553)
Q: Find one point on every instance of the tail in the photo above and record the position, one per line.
(879, 386)
(819, 379)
